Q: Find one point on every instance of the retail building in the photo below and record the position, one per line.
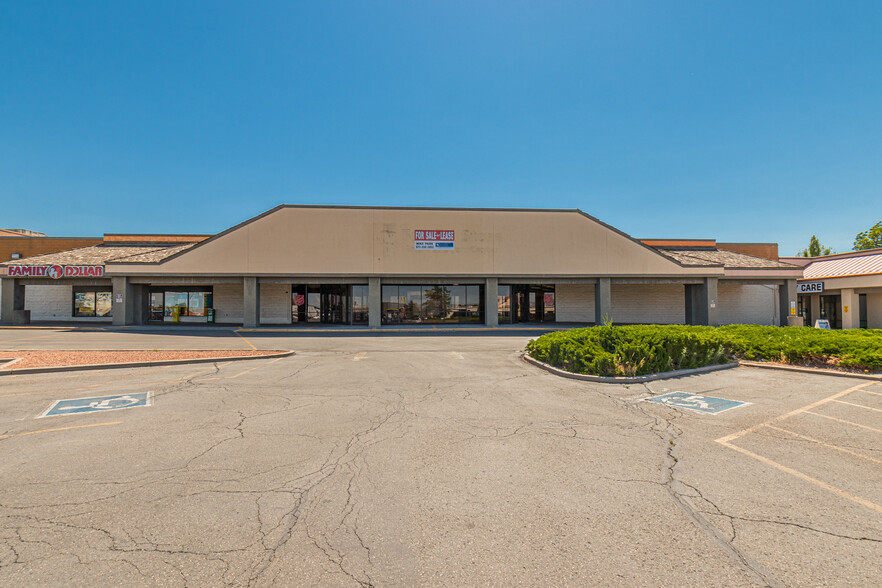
(845, 289)
(389, 266)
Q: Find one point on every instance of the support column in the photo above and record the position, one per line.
(12, 301)
(787, 301)
(124, 301)
(602, 301)
(251, 302)
(701, 303)
(375, 302)
(815, 308)
(491, 302)
(850, 312)
(710, 288)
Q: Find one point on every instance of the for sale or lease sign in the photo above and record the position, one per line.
(55, 271)
(433, 239)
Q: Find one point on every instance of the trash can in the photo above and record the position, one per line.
(209, 315)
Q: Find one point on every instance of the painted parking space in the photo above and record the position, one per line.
(819, 437)
(696, 402)
(98, 404)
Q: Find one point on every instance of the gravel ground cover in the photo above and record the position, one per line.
(33, 359)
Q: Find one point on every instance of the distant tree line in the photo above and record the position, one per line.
(869, 239)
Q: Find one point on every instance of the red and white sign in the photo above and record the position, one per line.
(55, 271)
(433, 239)
(548, 299)
(299, 299)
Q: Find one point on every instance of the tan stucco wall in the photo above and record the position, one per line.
(855, 282)
(874, 311)
(362, 242)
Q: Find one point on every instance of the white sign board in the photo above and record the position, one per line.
(433, 239)
(822, 324)
(809, 287)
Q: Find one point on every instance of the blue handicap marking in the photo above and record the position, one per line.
(696, 402)
(98, 404)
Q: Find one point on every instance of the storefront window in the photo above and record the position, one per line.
(92, 303)
(194, 301)
(298, 304)
(157, 306)
(359, 305)
(104, 303)
(314, 304)
(433, 303)
(392, 310)
(548, 299)
(84, 304)
(503, 304)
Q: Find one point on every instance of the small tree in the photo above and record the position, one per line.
(869, 239)
(815, 249)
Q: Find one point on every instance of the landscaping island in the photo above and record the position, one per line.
(639, 350)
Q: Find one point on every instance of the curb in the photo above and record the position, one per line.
(136, 364)
(808, 370)
(631, 379)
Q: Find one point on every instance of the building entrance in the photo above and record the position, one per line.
(526, 303)
(320, 303)
(830, 310)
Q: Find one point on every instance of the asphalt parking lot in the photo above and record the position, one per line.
(400, 461)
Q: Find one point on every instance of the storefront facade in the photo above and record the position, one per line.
(304, 265)
(843, 289)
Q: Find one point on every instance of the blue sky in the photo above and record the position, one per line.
(741, 121)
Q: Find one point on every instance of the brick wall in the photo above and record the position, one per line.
(574, 303)
(275, 304)
(54, 303)
(661, 304)
(746, 304)
(228, 302)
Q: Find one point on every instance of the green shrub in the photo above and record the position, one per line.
(644, 349)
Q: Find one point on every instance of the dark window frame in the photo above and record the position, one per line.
(183, 289)
(95, 290)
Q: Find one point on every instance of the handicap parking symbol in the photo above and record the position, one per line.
(696, 402)
(98, 404)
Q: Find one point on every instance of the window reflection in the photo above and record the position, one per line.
(92, 303)
(191, 301)
(434, 303)
(359, 305)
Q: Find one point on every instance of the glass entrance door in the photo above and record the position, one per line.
(830, 310)
(335, 305)
(531, 303)
(157, 306)
(321, 303)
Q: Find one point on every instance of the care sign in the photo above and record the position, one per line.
(809, 287)
(696, 402)
(56, 271)
(98, 404)
(424, 239)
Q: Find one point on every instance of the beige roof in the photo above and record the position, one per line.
(848, 266)
(728, 259)
(100, 254)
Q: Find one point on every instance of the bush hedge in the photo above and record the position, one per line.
(644, 349)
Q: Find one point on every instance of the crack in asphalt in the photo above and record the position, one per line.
(669, 433)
